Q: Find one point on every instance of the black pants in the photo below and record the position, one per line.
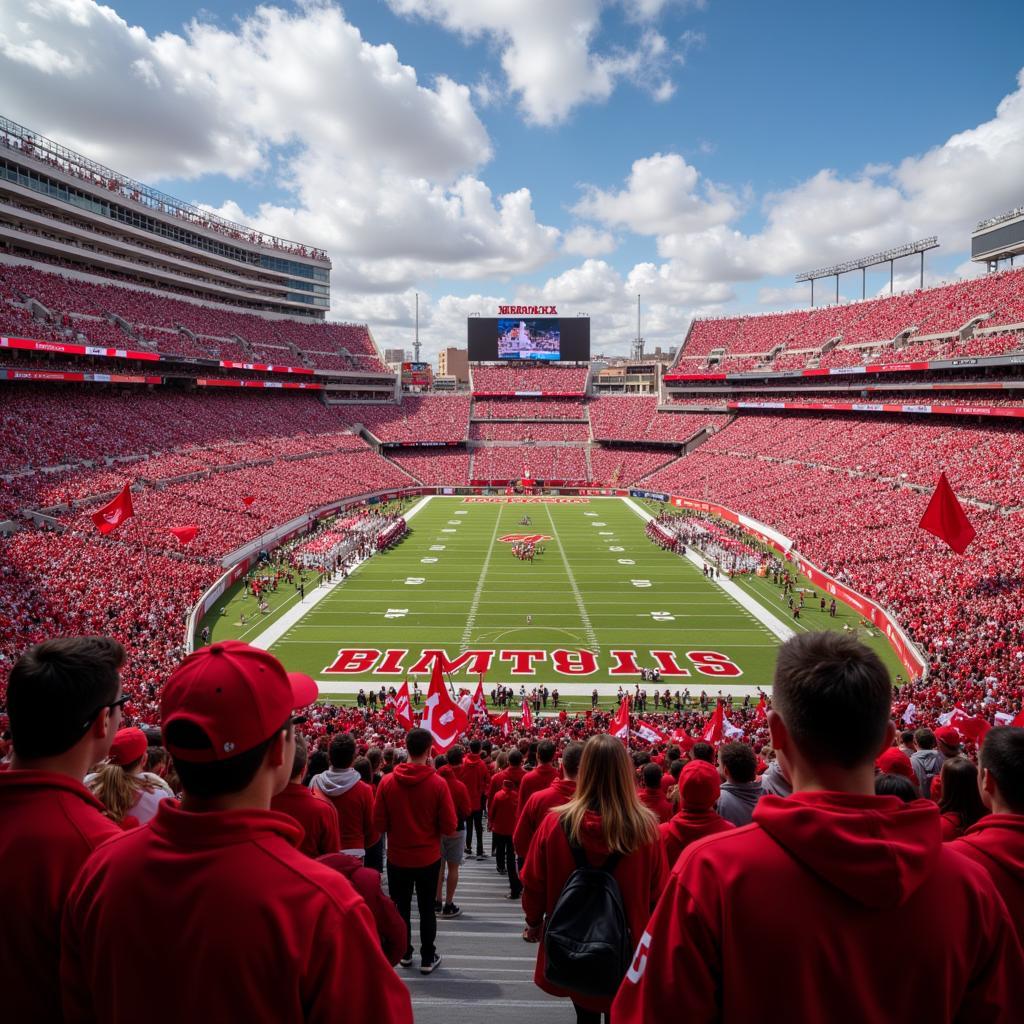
(475, 823)
(374, 857)
(590, 1016)
(402, 882)
(507, 856)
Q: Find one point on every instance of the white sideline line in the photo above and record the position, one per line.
(274, 632)
(478, 593)
(588, 627)
(778, 628)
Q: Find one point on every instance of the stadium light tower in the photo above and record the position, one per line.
(638, 343)
(416, 342)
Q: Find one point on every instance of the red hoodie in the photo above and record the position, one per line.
(654, 800)
(641, 877)
(997, 844)
(533, 782)
(353, 800)
(502, 815)
(514, 772)
(475, 775)
(687, 827)
(318, 818)
(826, 874)
(50, 826)
(414, 807)
(536, 810)
(268, 933)
(460, 795)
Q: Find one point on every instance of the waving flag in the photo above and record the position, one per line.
(478, 709)
(910, 714)
(502, 722)
(442, 717)
(682, 739)
(527, 721)
(945, 518)
(619, 726)
(713, 730)
(185, 534)
(402, 705)
(761, 712)
(115, 512)
(649, 732)
(734, 732)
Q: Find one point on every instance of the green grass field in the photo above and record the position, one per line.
(601, 586)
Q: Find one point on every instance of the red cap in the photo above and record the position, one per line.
(128, 746)
(237, 694)
(894, 762)
(699, 785)
(948, 736)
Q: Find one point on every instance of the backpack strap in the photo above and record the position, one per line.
(579, 855)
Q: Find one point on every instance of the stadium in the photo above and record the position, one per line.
(198, 450)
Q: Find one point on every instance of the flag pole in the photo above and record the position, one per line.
(142, 543)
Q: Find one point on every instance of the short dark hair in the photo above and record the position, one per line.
(835, 697)
(474, 746)
(672, 753)
(888, 784)
(925, 739)
(57, 688)
(907, 737)
(571, 757)
(418, 741)
(364, 768)
(545, 752)
(440, 761)
(739, 761)
(455, 755)
(515, 757)
(210, 779)
(652, 774)
(702, 751)
(1002, 754)
(342, 750)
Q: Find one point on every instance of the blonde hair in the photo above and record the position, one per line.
(606, 786)
(117, 788)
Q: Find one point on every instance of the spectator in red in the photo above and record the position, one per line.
(318, 818)
(541, 804)
(651, 794)
(351, 796)
(961, 805)
(927, 761)
(414, 808)
(64, 704)
(268, 933)
(699, 787)
(130, 794)
(452, 846)
(540, 777)
(832, 867)
(996, 842)
(514, 771)
(605, 819)
(476, 777)
(742, 788)
(501, 819)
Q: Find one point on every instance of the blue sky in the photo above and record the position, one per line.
(700, 153)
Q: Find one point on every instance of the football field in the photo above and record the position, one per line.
(599, 602)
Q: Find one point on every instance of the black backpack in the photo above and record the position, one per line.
(587, 945)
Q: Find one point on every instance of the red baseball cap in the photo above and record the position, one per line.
(948, 736)
(893, 761)
(128, 746)
(699, 785)
(237, 694)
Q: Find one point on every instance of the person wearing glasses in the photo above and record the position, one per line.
(266, 933)
(64, 702)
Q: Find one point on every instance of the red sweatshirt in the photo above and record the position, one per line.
(268, 934)
(50, 826)
(460, 795)
(641, 877)
(654, 800)
(415, 808)
(997, 844)
(318, 818)
(502, 814)
(687, 827)
(533, 782)
(475, 775)
(827, 874)
(353, 800)
(514, 772)
(536, 810)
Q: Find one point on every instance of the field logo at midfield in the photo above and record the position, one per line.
(512, 499)
(564, 662)
(523, 538)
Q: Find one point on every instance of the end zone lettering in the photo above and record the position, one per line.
(527, 311)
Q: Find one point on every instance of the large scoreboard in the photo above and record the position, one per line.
(417, 375)
(515, 338)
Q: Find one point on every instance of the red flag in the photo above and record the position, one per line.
(115, 512)
(649, 732)
(972, 726)
(619, 727)
(479, 705)
(682, 740)
(445, 720)
(761, 713)
(945, 518)
(1018, 722)
(713, 731)
(527, 722)
(502, 722)
(403, 706)
(185, 534)
(248, 499)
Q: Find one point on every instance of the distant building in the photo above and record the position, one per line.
(394, 355)
(629, 377)
(445, 382)
(454, 362)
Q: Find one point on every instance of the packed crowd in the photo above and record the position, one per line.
(636, 418)
(549, 379)
(418, 418)
(553, 462)
(622, 465)
(529, 431)
(529, 409)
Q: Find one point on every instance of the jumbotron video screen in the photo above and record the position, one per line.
(528, 338)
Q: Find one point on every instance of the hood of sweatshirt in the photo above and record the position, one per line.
(413, 774)
(875, 849)
(690, 823)
(1001, 838)
(472, 758)
(773, 781)
(335, 781)
(747, 793)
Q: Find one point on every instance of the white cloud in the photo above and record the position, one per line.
(587, 241)
(547, 50)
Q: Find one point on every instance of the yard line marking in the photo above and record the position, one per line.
(475, 603)
(584, 617)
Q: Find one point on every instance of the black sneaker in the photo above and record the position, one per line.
(428, 967)
(451, 910)
(406, 960)
(512, 895)
(481, 856)
(437, 906)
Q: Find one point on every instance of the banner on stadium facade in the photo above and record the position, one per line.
(66, 348)
(229, 364)
(918, 409)
(653, 495)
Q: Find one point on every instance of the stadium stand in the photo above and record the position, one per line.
(418, 418)
(622, 465)
(554, 462)
(543, 380)
(529, 408)
(436, 467)
(529, 431)
(636, 418)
